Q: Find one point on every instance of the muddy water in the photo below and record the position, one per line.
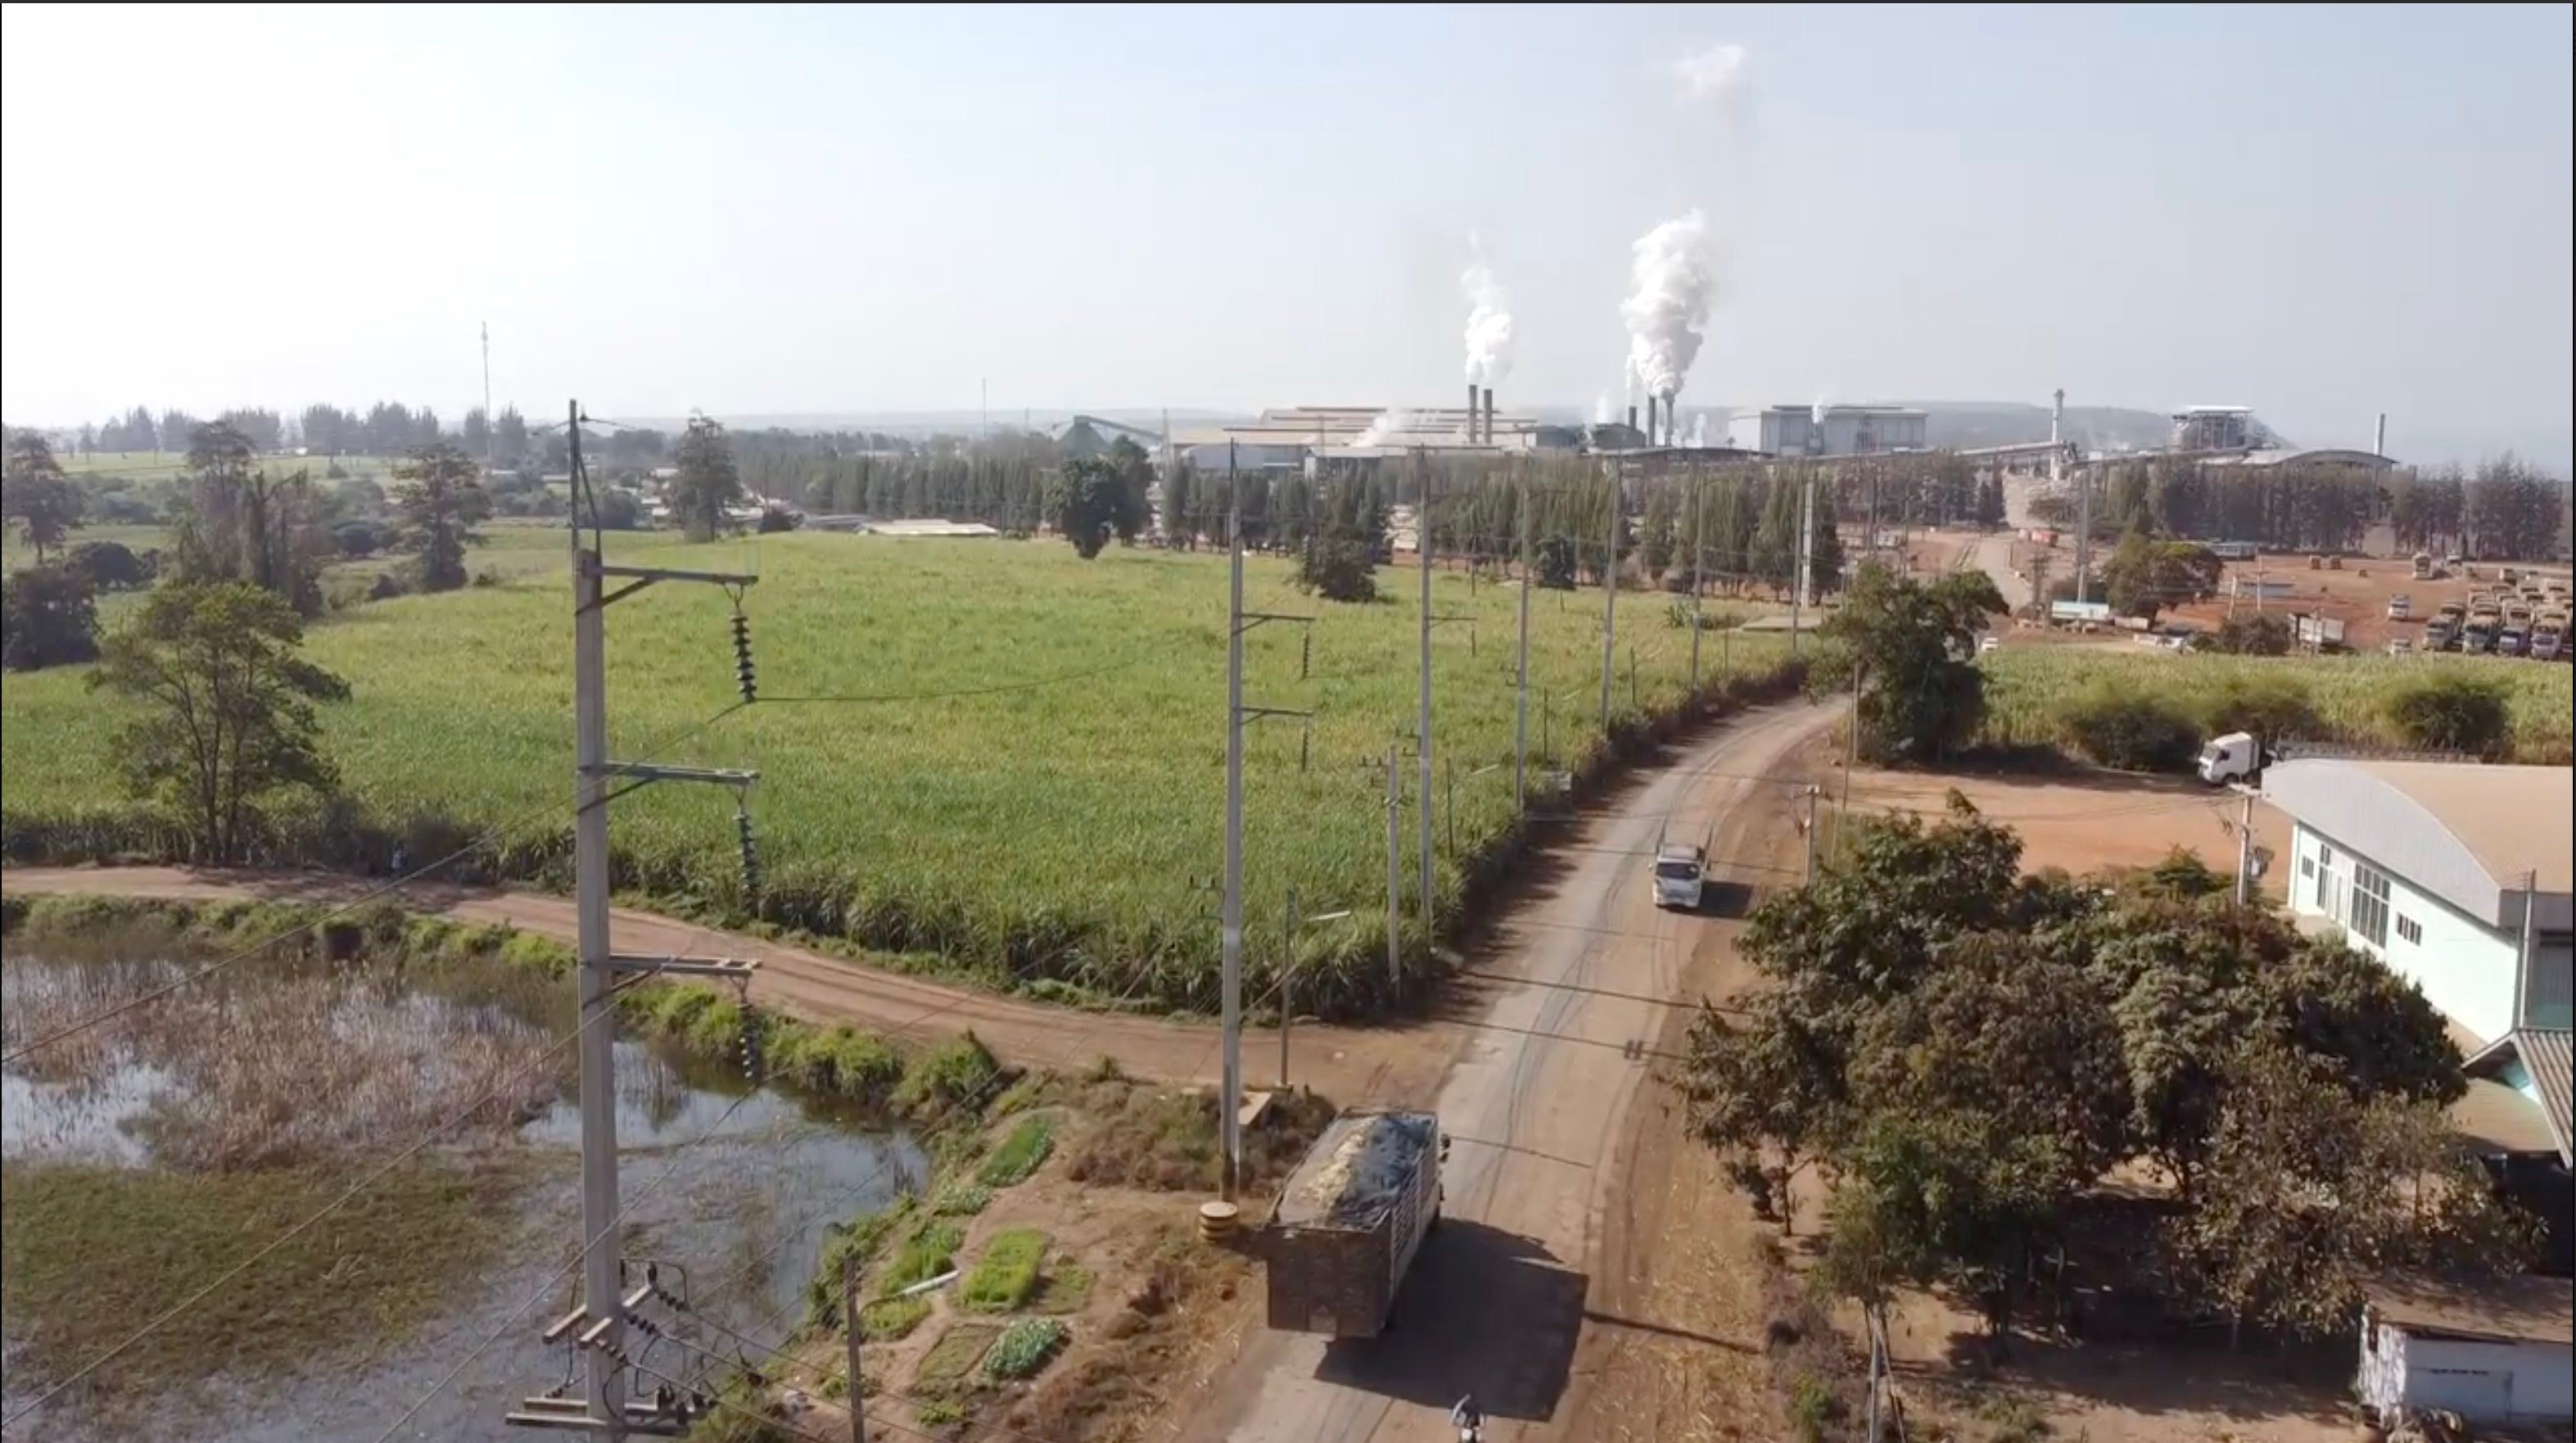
(736, 1184)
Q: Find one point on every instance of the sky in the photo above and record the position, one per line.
(2321, 212)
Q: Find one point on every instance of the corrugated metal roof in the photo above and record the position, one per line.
(2549, 1055)
(2527, 1308)
(2463, 832)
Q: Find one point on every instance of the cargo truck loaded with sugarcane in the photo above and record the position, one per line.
(1350, 1222)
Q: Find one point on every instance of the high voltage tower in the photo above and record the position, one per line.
(600, 1326)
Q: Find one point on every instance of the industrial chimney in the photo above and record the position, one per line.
(1489, 415)
(1471, 413)
(1632, 418)
(1651, 432)
(2379, 438)
(1672, 421)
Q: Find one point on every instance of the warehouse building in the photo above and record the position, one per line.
(1828, 430)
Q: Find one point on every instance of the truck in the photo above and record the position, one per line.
(1337, 1243)
(1681, 872)
(2423, 566)
(2235, 757)
(2401, 607)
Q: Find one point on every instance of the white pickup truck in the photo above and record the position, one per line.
(1681, 872)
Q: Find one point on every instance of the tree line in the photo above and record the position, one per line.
(2504, 509)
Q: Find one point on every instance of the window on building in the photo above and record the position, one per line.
(2325, 898)
(2369, 918)
(2411, 930)
(2307, 866)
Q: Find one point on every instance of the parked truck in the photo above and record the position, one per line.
(2235, 757)
(1347, 1226)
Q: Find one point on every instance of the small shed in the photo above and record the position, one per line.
(2491, 1352)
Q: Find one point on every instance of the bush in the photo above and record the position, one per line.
(2452, 713)
(965, 1201)
(47, 618)
(1812, 1405)
(1024, 1348)
(1020, 1153)
(357, 538)
(2272, 708)
(779, 518)
(111, 566)
(928, 1252)
(1007, 1273)
(951, 1076)
(1337, 568)
(2253, 633)
(2129, 730)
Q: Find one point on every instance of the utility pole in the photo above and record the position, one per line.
(1394, 866)
(1806, 539)
(2245, 849)
(1239, 621)
(1812, 792)
(598, 1324)
(1610, 586)
(850, 1319)
(1520, 690)
(2084, 537)
(1287, 970)
(1696, 557)
(488, 427)
(1422, 724)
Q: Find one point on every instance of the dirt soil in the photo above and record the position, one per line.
(1337, 1061)
(2085, 820)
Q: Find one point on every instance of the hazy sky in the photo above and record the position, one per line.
(2319, 212)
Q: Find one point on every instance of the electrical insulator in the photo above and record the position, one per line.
(742, 656)
(751, 1058)
(750, 858)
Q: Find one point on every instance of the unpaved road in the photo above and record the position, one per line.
(1539, 1102)
(1341, 1062)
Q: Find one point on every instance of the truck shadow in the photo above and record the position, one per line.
(1484, 1311)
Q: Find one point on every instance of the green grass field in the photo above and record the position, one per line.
(2027, 684)
(1062, 832)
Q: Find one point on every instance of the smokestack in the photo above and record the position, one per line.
(2057, 417)
(1471, 413)
(2379, 438)
(1651, 432)
(1632, 418)
(1672, 422)
(1489, 415)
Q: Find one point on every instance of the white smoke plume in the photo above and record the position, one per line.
(1671, 285)
(1602, 415)
(1816, 412)
(1699, 429)
(1715, 74)
(1386, 424)
(1489, 324)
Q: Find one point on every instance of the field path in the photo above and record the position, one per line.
(1537, 1293)
(1341, 1062)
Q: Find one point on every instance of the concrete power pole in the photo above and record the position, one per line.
(1520, 698)
(1394, 866)
(1798, 600)
(599, 1323)
(1610, 585)
(1239, 621)
(2084, 535)
(2245, 850)
(488, 427)
(1422, 722)
(1696, 556)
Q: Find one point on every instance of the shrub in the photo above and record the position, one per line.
(963, 1201)
(2272, 708)
(1020, 1153)
(1812, 1405)
(1337, 567)
(843, 1245)
(2254, 633)
(2129, 730)
(2452, 713)
(889, 1319)
(928, 1252)
(1024, 1348)
(949, 1076)
(1007, 1273)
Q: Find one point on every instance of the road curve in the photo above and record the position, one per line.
(1342, 1062)
(1499, 1298)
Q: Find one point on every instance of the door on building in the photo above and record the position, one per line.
(2472, 1393)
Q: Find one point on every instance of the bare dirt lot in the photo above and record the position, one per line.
(2085, 821)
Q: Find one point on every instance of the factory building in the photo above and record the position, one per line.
(1828, 430)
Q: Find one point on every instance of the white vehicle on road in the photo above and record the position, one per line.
(1681, 874)
(2235, 757)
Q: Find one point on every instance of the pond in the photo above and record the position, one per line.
(323, 1073)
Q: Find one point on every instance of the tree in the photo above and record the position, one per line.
(2145, 575)
(2253, 633)
(1655, 536)
(1087, 503)
(1178, 500)
(110, 566)
(40, 500)
(242, 524)
(2311, 1194)
(1135, 470)
(1914, 645)
(511, 434)
(708, 482)
(438, 496)
(47, 618)
(477, 432)
(1990, 501)
(228, 721)
(776, 518)
(2453, 713)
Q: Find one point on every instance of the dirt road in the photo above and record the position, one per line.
(1342, 1062)
(1538, 1102)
